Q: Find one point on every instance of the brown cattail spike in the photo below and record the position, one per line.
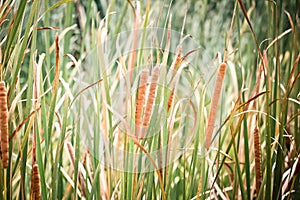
(214, 104)
(170, 101)
(0, 147)
(257, 154)
(140, 101)
(175, 67)
(151, 96)
(4, 124)
(36, 191)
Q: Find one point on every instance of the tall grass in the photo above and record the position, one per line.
(157, 126)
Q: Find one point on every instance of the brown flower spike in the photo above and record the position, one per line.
(35, 181)
(140, 101)
(4, 124)
(214, 105)
(151, 96)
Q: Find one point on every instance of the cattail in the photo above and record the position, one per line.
(177, 62)
(0, 146)
(151, 96)
(140, 101)
(57, 66)
(257, 154)
(175, 67)
(170, 101)
(4, 124)
(35, 182)
(214, 105)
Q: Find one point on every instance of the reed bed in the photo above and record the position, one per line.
(149, 99)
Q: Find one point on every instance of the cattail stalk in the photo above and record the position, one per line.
(214, 105)
(257, 158)
(151, 96)
(35, 183)
(135, 40)
(140, 101)
(4, 124)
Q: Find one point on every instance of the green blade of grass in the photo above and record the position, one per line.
(56, 177)
(68, 22)
(76, 164)
(239, 172)
(52, 105)
(14, 31)
(25, 40)
(40, 161)
(247, 159)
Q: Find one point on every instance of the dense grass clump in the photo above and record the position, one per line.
(149, 99)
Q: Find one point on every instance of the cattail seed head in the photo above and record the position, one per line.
(257, 159)
(214, 104)
(36, 192)
(4, 124)
(151, 96)
(140, 101)
(170, 100)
